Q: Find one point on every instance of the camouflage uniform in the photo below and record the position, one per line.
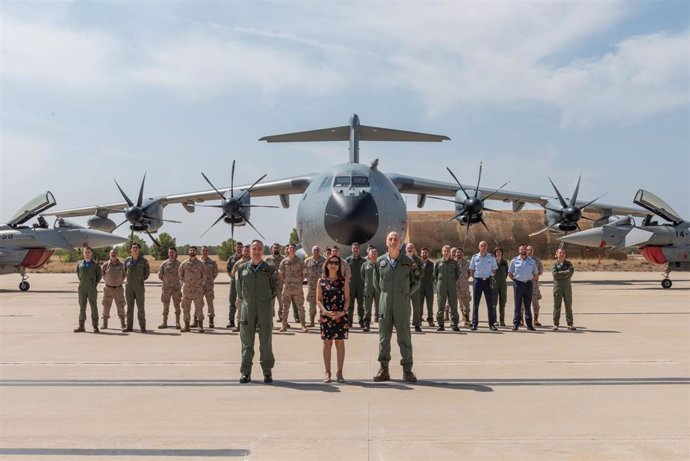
(209, 295)
(275, 261)
(292, 273)
(89, 274)
(463, 290)
(193, 277)
(345, 269)
(136, 272)
(114, 278)
(232, 310)
(370, 295)
(314, 268)
(169, 274)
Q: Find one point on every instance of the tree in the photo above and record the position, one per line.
(226, 249)
(123, 250)
(167, 241)
(294, 236)
(76, 254)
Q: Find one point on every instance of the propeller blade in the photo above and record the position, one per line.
(560, 197)
(140, 199)
(539, 232)
(260, 206)
(496, 191)
(208, 206)
(127, 199)
(553, 209)
(573, 199)
(479, 178)
(250, 189)
(232, 229)
(456, 216)
(456, 180)
(493, 237)
(160, 219)
(216, 222)
(232, 180)
(153, 239)
(119, 225)
(467, 234)
(445, 200)
(586, 218)
(257, 230)
(578, 226)
(592, 201)
(211, 184)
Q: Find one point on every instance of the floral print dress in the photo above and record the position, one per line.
(333, 300)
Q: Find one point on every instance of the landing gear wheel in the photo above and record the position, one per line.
(666, 283)
(24, 285)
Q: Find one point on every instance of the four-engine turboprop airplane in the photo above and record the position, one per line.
(24, 247)
(667, 244)
(352, 202)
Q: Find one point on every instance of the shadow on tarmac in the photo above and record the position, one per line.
(136, 452)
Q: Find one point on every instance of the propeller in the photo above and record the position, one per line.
(569, 212)
(472, 207)
(136, 213)
(233, 207)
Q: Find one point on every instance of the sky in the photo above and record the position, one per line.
(96, 91)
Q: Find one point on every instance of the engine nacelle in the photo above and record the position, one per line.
(101, 224)
(237, 211)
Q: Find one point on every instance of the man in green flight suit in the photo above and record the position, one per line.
(562, 272)
(137, 270)
(396, 278)
(446, 275)
(89, 274)
(257, 285)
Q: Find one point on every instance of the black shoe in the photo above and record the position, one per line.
(418, 329)
(440, 327)
(366, 328)
(456, 328)
(515, 328)
(144, 330)
(474, 328)
(503, 324)
(531, 329)
(128, 329)
(244, 379)
(268, 379)
(95, 329)
(493, 328)
(361, 324)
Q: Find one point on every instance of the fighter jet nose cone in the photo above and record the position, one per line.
(588, 238)
(350, 219)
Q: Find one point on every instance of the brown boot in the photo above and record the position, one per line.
(164, 324)
(210, 321)
(304, 328)
(186, 328)
(200, 324)
(105, 324)
(284, 328)
(177, 321)
(409, 377)
(80, 328)
(122, 323)
(382, 375)
(194, 323)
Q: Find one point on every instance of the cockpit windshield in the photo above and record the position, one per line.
(38, 205)
(657, 206)
(341, 181)
(356, 181)
(62, 223)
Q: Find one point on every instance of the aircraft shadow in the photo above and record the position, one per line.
(159, 333)
(112, 333)
(5, 290)
(132, 452)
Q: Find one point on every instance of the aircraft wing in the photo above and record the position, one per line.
(414, 185)
(285, 186)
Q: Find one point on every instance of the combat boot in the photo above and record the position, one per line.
(95, 328)
(177, 321)
(304, 328)
(105, 324)
(441, 327)
(311, 319)
(80, 328)
(194, 324)
(201, 326)
(382, 375)
(210, 321)
(283, 328)
(122, 323)
(164, 324)
(186, 328)
(409, 377)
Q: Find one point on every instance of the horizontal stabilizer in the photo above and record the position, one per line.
(339, 133)
(372, 133)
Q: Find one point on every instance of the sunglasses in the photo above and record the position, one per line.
(335, 263)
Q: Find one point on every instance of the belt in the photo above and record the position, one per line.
(483, 278)
(520, 281)
(113, 286)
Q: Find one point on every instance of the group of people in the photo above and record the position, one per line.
(396, 286)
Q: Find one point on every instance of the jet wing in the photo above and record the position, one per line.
(413, 185)
(285, 186)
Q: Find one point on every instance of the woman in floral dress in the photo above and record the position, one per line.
(332, 296)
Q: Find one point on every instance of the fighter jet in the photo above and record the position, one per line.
(350, 202)
(667, 244)
(24, 247)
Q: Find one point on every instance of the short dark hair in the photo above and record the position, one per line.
(498, 249)
(192, 248)
(131, 245)
(424, 249)
(259, 242)
(172, 249)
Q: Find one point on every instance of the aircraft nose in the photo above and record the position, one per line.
(589, 238)
(352, 218)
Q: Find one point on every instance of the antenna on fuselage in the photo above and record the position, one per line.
(354, 132)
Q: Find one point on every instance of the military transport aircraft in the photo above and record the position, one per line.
(667, 244)
(24, 247)
(350, 202)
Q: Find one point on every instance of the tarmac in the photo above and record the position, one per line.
(617, 388)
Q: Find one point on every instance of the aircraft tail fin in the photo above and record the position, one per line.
(354, 132)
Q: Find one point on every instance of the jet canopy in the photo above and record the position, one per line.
(651, 202)
(38, 205)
